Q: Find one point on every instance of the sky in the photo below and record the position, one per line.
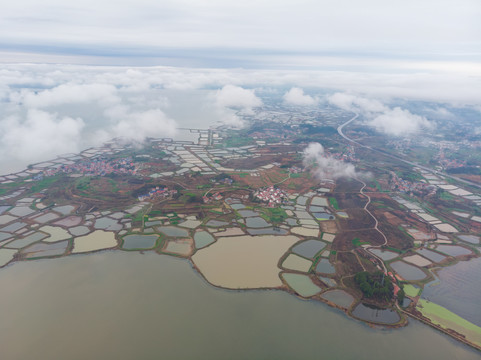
(249, 33)
(76, 74)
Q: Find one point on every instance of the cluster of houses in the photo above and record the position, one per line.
(272, 196)
(157, 193)
(406, 186)
(96, 167)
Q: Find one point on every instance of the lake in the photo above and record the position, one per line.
(458, 288)
(119, 305)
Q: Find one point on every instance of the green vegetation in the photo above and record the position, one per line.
(411, 291)
(375, 285)
(444, 195)
(357, 242)
(44, 183)
(237, 140)
(114, 185)
(274, 215)
(443, 317)
(333, 202)
(82, 183)
(400, 296)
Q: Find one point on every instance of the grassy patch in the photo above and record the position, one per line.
(411, 290)
(333, 202)
(447, 319)
(357, 242)
(274, 215)
(44, 183)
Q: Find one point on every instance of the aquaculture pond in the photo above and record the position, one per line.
(301, 284)
(4, 208)
(203, 239)
(339, 297)
(216, 223)
(384, 254)
(243, 262)
(79, 230)
(27, 240)
(309, 248)
(458, 289)
(256, 222)
(98, 240)
(172, 231)
(472, 239)
(6, 255)
(453, 250)
(69, 221)
(431, 255)
(376, 315)
(137, 241)
(297, 263)
(43, 249)
(21, 211)
(407, 271)
(156, 317)
(291, 222)
(267, 231)
(56, 233)
(106, 223)
(325, 267)
(64, 210)
(248, 213)
(323, 216)
(237, 206)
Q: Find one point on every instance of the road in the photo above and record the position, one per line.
(356, 115)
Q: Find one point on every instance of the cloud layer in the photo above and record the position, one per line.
(296, 96)
(395, 122)
(324, 166)
(98, 103)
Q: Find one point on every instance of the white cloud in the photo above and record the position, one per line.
(324, 166)
(138, 126)
(356, 103)
(237, 97)
(395, 122)
(296, 96)
(70, 94)
(399, 122)
(39, 136)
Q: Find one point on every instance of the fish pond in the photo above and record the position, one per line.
(407, 271)
(301, 284)
(172, 231)
(453, 250)
(339, 297)
(309, 248)
(137, 241)
(325, 267)
(203, 239)
(375, 315)
(385, 255)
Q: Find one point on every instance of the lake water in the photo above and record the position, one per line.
(458, 289)
(116, 305)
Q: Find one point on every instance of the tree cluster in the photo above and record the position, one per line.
(374, 286)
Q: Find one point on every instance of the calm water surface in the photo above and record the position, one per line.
(116, 305)
(458, 289)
